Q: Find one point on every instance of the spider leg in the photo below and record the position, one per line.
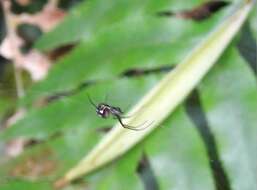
(91, 101)
(135, 128)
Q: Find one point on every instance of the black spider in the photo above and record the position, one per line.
(104, 110)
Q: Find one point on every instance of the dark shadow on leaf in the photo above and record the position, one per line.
(68, 4)
(196, 113)
(59, 95)
(247, 47)
(198, 13)
(61, 51)
(128, 73)
(146, 174)
(141, 72)
(32, 142)
(104, 130)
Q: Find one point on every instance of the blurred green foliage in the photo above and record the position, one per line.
(112, 37)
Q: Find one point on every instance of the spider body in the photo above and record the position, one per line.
(104, 111)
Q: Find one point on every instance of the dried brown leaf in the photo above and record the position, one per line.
(10, 43)
(15, 147)
(35, 62)
(23, 2)
(46, 19)
(35, 166)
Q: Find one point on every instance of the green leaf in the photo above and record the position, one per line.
(140, 40)
(76, 111)
(229, 98)
(23, 184)
(93, 18)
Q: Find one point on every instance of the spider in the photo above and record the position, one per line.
(104, 111)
